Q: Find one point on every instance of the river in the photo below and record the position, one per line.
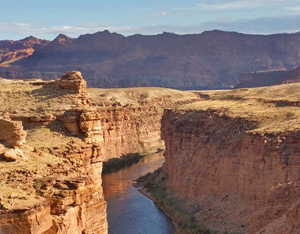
(128, 211)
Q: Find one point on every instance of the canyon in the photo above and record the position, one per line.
(231, 155)
(213, 59)
(55, 136)
(235, 156)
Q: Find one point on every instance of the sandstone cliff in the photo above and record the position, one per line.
(53, 184)
(236, 156)
(131, 118)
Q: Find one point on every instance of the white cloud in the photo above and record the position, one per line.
(227, 6)
(236, 5)
(160, 14)
(257, 26)
(293, 9)
(73, 31)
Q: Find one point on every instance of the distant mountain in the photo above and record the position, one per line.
(259, 79)
(293, 77)
(11, 51)
(267, 78)
(212, 59)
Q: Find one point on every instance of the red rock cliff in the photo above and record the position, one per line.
(131, 118)
(231, 145)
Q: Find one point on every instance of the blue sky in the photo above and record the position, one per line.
(47, 19)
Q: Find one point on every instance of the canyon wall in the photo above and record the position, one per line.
(120, 131)
(212, 155)
(131, 118)
(131, 130)
(225, 157)
(54, 183)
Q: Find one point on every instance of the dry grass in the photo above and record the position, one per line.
(275, 108)
(141, 96)
(24, 98)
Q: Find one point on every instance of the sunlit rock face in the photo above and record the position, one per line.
(53, 185)
(12, 132)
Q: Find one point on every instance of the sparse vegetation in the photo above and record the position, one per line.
(38, 184)
(176, 208)
(275, 109)
(116, 164)
(127, 160)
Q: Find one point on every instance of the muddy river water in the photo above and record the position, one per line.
(128, 211)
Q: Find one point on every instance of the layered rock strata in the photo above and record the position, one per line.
(131, 118)
(231, 150)
(54, 185)
(12, 132)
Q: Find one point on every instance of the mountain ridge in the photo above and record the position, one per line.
(211, 59)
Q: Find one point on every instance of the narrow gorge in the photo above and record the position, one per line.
(230, 156)
(55, 136)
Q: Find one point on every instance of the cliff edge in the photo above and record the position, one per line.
(51, 179)
(236, 156)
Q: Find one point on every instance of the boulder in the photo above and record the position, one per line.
(2, 149)
(10, 155)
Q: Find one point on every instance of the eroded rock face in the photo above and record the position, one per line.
(12, 132)
(130, 130)
(33, 221)
(61, 175)
(211, 154)
(74, 81)
(120, 131)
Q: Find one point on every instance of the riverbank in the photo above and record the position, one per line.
(128, 210)
(116, 164)
(177, 209)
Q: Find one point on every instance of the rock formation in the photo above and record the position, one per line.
(131, 118)
(53, 184)
(12, 132)
(236, 156)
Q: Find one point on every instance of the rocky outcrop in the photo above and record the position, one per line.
(34, 221)
(12, 132)
(54, 183)
(73, 81)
